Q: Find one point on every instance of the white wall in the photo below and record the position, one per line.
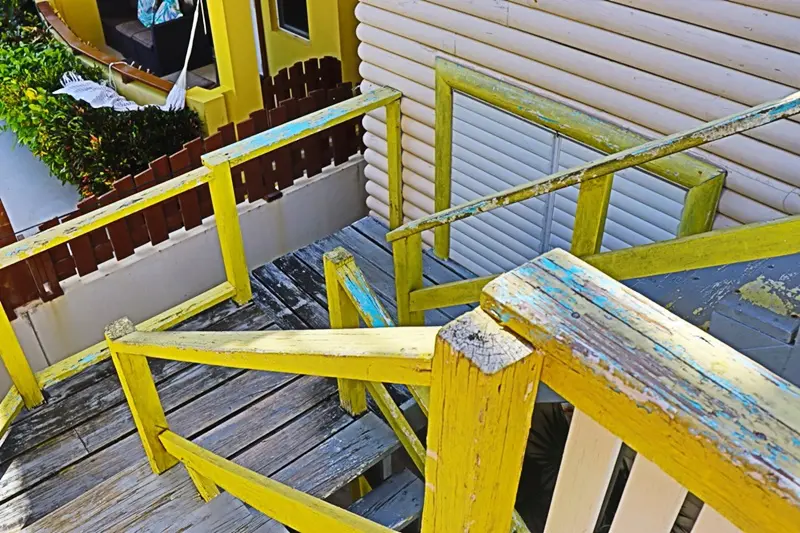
(655, 67)
(156, 278)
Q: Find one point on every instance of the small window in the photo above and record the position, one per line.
(293, 16)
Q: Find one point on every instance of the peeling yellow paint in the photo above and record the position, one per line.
(771, 294)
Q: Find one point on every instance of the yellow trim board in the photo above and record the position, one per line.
(288, 506)
(386, 355)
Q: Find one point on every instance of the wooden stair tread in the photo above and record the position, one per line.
(137, 499)
(395, 503)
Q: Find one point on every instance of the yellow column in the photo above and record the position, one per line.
(483, 388)
(343, 314)
(231, 243)
(19, 370)
(235, 51)
(83, 18)
(142, 395)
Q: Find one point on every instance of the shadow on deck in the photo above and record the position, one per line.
(77, 464)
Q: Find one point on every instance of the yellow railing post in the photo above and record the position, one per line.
(590, 216)
(140, 390)
(395, 157)
(17, 365)
(483, 385)
(407, 254)
(230, 233)
(343, 314)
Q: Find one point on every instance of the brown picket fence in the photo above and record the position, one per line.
(301, 89)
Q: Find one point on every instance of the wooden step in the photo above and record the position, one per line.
(395, 503)
(138, 500)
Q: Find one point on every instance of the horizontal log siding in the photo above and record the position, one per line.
(654, 73)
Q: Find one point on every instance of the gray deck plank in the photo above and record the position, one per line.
(40, 463)
(304, 277)
(337, 461)
(189, 419)
(50, 420)
(304, 305)
(155, 501)
(395, 503)
(284, 317)
(376, 231)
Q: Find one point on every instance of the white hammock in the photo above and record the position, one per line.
(104, 95)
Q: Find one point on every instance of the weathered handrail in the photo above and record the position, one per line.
(721, 425)
(274, 138)
(658, 148)
(28, 385)
(709, 418)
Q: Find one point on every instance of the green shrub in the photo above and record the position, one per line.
(87, 147)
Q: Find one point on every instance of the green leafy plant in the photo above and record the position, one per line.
(87, 147)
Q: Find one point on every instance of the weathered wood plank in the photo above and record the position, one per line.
(249, 317)
(312, 313)
(396, 503)
(30, 468)
(53, 419)
(292, 507)
(158, 499)
(116, 422)
(304, 277)
(610, 352)
(312, 256)
(284, 317)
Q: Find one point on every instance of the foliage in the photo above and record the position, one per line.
(87, 147)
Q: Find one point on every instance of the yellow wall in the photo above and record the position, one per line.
(329, 36)
(83, 18)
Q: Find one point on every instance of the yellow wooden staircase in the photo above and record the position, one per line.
(701, 418)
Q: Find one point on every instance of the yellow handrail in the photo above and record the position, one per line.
(28, 385)
(635, 156)
(724, 428)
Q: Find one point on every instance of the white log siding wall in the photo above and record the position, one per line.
(652, 66)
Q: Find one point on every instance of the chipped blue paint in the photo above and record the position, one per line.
(719, 417)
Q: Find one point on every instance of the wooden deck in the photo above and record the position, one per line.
(76, 463)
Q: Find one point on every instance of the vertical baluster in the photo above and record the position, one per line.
(651, 500)
(230, 233)
(140, 390)
(343, 314)
(590, 217)
(586, 468)
(17, 365)
(408, 277)
(395, 165)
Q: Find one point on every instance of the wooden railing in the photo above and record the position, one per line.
(595, 180)
(217, 173)
(264, 178)
(701, 417)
